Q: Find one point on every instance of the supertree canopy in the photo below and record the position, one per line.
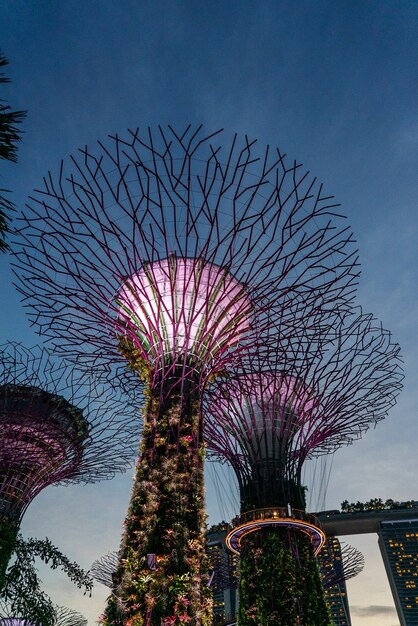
(165, 249)
(103, 569)
(290, 404)
(339, 562)
(57, 426)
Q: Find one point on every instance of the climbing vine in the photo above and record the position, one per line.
(279, 581)
(161, 579)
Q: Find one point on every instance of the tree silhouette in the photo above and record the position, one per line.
(10, 135)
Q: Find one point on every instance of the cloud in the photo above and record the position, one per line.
(373, 610)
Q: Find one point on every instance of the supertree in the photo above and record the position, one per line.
(292, 403)
(161, 249)
(58, 425)
(104, 569)
(338, 562)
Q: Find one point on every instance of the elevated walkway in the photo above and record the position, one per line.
(362, 522)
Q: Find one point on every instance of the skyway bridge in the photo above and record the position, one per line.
(362, 522)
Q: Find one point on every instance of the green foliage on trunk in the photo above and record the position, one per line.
(166, 518)
(280, 583)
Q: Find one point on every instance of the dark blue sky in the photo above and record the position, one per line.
(334, 84)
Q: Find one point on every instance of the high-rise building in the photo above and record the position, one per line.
(223, 579)
(397, 529)
(331, 564)
(398, 541)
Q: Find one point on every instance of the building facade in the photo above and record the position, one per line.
(397, 529)
(223, 575)
(331, 566)
(398, 542)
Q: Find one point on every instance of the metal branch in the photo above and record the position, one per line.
(301, 398)
(137, 201)
(338, 562)
(58, 425)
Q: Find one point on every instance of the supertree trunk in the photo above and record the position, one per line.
(279, 578)
(161, 579)
(279, 582)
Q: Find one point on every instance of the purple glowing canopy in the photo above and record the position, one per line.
(110, 242)
(303, 399)
(188, 307)
(42, 440)
(266, 411)
(57, 425)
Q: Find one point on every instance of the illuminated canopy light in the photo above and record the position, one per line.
(183, 307)
(266, 410)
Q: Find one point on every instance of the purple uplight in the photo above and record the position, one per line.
(183, 307)
(305, 401)
(42, 439)
(266, 410)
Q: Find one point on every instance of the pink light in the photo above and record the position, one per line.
(182, 306)
(267, 411)
(33, 445)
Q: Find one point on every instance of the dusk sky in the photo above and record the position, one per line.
(334, 85)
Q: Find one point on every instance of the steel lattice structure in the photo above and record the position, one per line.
(295, 401)
(298, 400)
(167, 250)
(103, 569)
(336, 569)
(180, 213)
(58, 425)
